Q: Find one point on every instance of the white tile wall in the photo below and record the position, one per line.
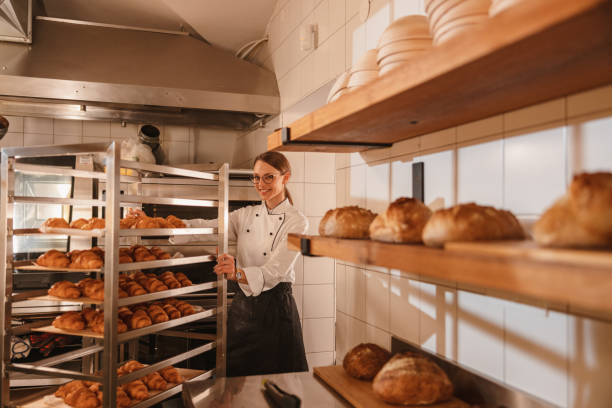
(401, 179)
(37, 125)
(66, 139)
(377, 187)
(438, 305)
(534, 170)
(355, 292)
(96, 128)
(298, 295)
(479, 175)
(12, 139)
(357, 187)
(318, 301)
(320, 359)
(297, 195)
(319, 168)
(67, 127)
(298, 267)
(341, 294)
(342, 336)
(313, 225)
(37, 139)
(380, 18)
(296, 159)
(318, 270)
(480, 333)
(439, 170)
(378, 336)
(341, 188)
(319, 335)
(590, 144)
(15, 123)
(536, 351)
(404, 312)
(377, 299)
(535, 115)
(319, 198)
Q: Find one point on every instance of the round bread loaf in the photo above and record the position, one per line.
(365, 361)
(346, 222)
(403, 221)
(559, 227)
(412, 379)
(471, 222)
(590, 197)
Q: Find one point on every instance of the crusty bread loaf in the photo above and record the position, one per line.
(412, 379)
(582, 218)
(365, 360)
(346, 222)
(403, 222)
(470, 222)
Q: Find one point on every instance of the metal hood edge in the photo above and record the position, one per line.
(134, 70)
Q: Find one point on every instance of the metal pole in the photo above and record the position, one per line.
(6, 272)
(223, 246)
(111, 282)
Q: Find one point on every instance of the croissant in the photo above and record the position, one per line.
(146, 222)
(185, 308)
(98, 324)
(171, 311)
(157, 251)
(183, 279)
(82, 398)
(83, 282)
(136, 390)
(139, 319)
(172, 301)
(142, 254)
(127, 223)
(162, 223)
(171, 282)
(134, 213)
(94, 223)
(69, 321)
(65, 289)
(134, 289)
(154, 285)
(78, 224)
(98, 251)
(56, 223)
(94, 289)
(123, 294)
(53, 259)
(175, 222)
(123, 400)
(129, 367)
(139, 307)
(68, 388)
(155, 381)
(157, 314)
(124, 313)
(89, 315)
(171, 375)
(86, 260)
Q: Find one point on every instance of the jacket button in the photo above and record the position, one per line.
(248, 230)
(280, 218)
(264, 254)
(257, 215)
(270, 234)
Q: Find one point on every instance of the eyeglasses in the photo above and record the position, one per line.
(267, 178)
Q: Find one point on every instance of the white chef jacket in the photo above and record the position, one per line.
(261, 238)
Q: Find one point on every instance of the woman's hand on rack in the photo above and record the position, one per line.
(226, 264)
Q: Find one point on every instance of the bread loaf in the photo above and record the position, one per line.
(471, 222)
(347, 222)
(412, 379)
(365, 360)
(402, 222)
(582, 218)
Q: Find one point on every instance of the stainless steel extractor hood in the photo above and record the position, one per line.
(111, 72)
(15, 20)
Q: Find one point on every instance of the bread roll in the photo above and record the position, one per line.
(346, 222)
(412, 379)
(470, 222)
(402, 222)
(365, 360)
(559, 227)
(590, 196)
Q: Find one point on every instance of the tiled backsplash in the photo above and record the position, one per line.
(520, 160)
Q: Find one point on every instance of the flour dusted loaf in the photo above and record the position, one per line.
(581, 218)
(365, 360)
(346, 222)
(402, 222)
(470, 222)
(411, 379)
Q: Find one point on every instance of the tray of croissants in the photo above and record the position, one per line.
(91, 260)
(134, 219)
(90, 323)
(89, 394)
(138, 283)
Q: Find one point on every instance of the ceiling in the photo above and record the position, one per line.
(225, 24)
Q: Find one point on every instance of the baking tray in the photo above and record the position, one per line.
(50, 401)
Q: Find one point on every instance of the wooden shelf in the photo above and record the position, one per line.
(539, 51)
(581, 279)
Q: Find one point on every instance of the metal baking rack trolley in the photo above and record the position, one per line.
(107, 348)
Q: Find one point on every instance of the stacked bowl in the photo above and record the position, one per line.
(402, 40)
(339, 87)
(449, 18)
(497, 6)
(364, 71)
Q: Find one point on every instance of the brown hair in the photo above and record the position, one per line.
(279, 162)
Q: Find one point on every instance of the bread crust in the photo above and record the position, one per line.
(412, 379)
(590, 199)
(470, 222)
(365, 360)
(347, 222)
(402, 222)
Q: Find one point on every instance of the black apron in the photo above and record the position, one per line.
(264, 335)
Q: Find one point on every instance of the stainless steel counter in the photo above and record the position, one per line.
(246, 391)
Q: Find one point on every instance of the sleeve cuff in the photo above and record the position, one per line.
(255, 278)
